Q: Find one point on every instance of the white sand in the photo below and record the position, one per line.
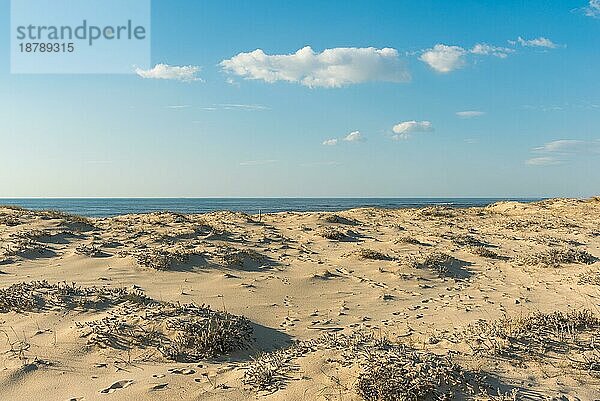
(295, 284)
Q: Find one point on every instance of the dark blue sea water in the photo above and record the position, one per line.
(103, 207)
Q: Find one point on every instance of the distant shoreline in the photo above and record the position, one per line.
(107, 207)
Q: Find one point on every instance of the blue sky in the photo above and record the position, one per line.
(371, 110)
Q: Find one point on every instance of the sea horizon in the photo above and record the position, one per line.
(107, 207)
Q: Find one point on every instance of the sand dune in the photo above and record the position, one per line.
(500, 302)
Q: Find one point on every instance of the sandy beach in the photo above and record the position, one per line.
(499, 302)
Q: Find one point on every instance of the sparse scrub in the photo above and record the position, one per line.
(590, 277)
(437, 262)
(400, 373)
(484, 252)
(556, 257)
(9, 220)
(67, 217)
(23, 243)
(388, 371)
(407, 240)
(38, 296)
(437, 212)
(333, 234)
(465, 240)
(160, 259)
(371, 254)
(239, 257)
(337, 219)
(91, 250)
(533, 334)
(179, 332)
(182, 333)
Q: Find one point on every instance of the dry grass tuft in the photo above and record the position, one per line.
(67, 217)
(333, 234)
(465, 240)
(484, 252)
(37, 296)
(91, 250)
(337, 219)
(400, 373)
(590, 277)
(239, 258)
(178, 332)
(438, 262)
(161, 259)
(371, 254)
(531, 335)
(437, 212)
(388, 371)
(183, 333)
(407, 240)
(556, 257)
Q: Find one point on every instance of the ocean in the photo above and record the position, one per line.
(105, 207)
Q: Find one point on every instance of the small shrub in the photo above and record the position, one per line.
(532, 334)
(484, 252)
(371, 254)
(556, 257)
(333, 234)
(160, 259)
(438, 262)
(91, 250)
(336, 219)
(400, 373)
(407, 240)
(589, 277)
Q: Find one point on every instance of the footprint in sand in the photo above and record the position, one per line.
(116, 386)
(182, 371)
(160, 386)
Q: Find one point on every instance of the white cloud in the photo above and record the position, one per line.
(354, 136)
(469, 113)
(331, 68)
(172, 72)
(443, 58)
(483, 49)
(325, 163)
(543, 161)
(235, 106)
(537, 42)
(563, 150)
(248, 107)
(257, 162)
(593, 9)
(179, 106)
(563, 146)
(330, 142)
(404, 129)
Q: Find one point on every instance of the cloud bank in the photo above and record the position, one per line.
(332, 68)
